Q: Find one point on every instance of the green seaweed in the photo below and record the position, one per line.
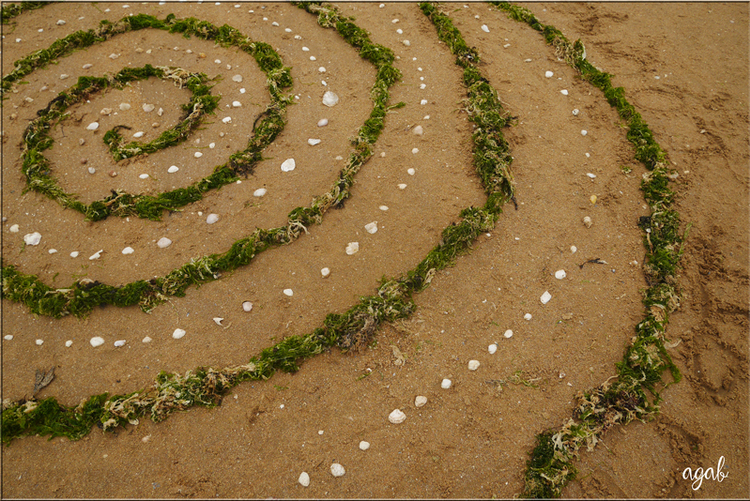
(11, 10)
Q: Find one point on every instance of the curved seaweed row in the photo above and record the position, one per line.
(349, 330)
(625, 396)
(11, 10)
(82, 297)
(35, 139)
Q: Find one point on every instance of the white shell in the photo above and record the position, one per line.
(8, 337)
(397, 417)
(138, 134)
(96, 341)
(411, 171)
(32, 238)
(322, 69)
(445, 384)
(68, 343)
(584, 132)
(576, 112)
(52, 251)
(587, 221)
(383, 207)
(322, 122)
(197, 154)
(173, 169)
(402, 186)
(124, 106)
(260, 192)
(573, 249)
(407, 43)
(226, 120)
(96, 255)
(352, 248)
(485, 28)
(148, 108)
(304, 479)
(178, 333)
(60, 22)
(237, 78)
(164, 242)
(212, 145)
(91, 170)
(247, 306)
(492, 348)
(288, 165)
(423, 102)
(160, 112)
(508, 334)
(325, 272)
(93, 126)
(218, 320)
(144, 176)
(473, 365)
(120, 342)
(417, 130)
(236, 104)
(128, 250)
(212, 218)
(146, 339)
(420, 401)
(14, 228)
(337, 470)
(105, 111)
(372, 227)
(592, 176)
(545, 297)
(313, 142)
(330, 99)
(39, 342)
(527, 316)
(288, 292)
(74, 254)
(364, 445)
(560, 274)
(548, 74)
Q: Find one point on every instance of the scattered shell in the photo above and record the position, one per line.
(60, 22)
(64, 76)
(96, 341)
(383, 207)
(212, 145)
(74, 254)
(8, 337)
(364, 445)
(593, 199)
(584, 132)
(485, 28)
(236, 104)
(218, 320)
(322, 122)
(420, 401)
(288, 165)
(352, 248)
(288, 292)
(313, 58)
(114, 56)
(247, 306)
(148, 108)
(406, 42)
(105, 111)
(160, 112)
(146, 340)
(242, 90)
(527, 316)
(32, 238)
(226, 120)
(68, 343)
(445, 384)
(143, 176)
(411, 171)
(119, 343)
(304, 479)
(415, 151)
(573, 248)
(96, 255)
(197, 154)
(260, 192)
(305, 49)
(128, 250)
(337, 470)
(564, 92)
(313, 142)
(93, 126)
(14, 228)
(330, 99)
(138, 134)
(124, 106)
(212, 218)
(587, 221)
(576, 112)
(473, 365)
(423, 102)
(560, 274)
(397, 417)
(173, 169)
(548, 74)
(592, 176)
(402, 186)
(164, 242)
(545, 297)
(178, 333)
(372, 227)
(52, 251)
(417, 130)
(237, 78)
(39, 342)
(325, 272)
(322, 69)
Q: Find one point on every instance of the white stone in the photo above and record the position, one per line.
(492, 348)
(372, 227)
(93, 126)
(60, 22)
(508, 334)
(52, 251)
(548, 74)
(312, 58)
(32, 238)
(212, 145)
(197, 154)
(305, 49)
(237, 78)
(260, 192)
(8, 337)
(584, 132)
(212, 218)
(39, 342)
(417, 130)
(148, 108)
(138, 134)
(337, 470)
(288, 165)
(236, 104)
(164, 242)
(124, 106)
(420, 401)
(91, 170)
(322, 122)
(445, 384)
(96, 341)
(322, 69)
(527, 316)
(564, 92)
(402, 186)
(288, 292)
(146, 340)
(128, 250)
(364, 445)
(397, 417)
(143, 176)
(573, 249)
(178, 333)
(330, 99)
(352, 248)
(119, 343)
(68, 343)
(173, 169)
(14, 228)
(545, 297)
(415, 151)
(74, 254)
(96, 255)
(473, 365)
(383, 207)
(313, 142)
(411, 171)
(592, 176)
(576, 112)
(324, 272)
(423, 102)
(560, 274)
(226, 120)
(485, 28)
(304, 479)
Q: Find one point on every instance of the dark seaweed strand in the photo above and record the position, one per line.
(37, 169)
(11, 10)
(206, 387)
(81, 297)
(623, 397)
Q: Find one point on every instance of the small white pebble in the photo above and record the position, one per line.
(394, 21)
(584, 132)
(402, 186)
(473, 365)
(573, 249)
(68, 343)
(87, 66)
(128, 250)
(576, 112)
(322, 122)
(8, 337)
(313, 142)
(312, 58)
(422, 86)
(415, 151)
(212, 218)
(527, 316)
(587, 155)
(445, 384)
(492, 348)
(212, 145)
(164, 242)
(592, 176)
(420, 401)
(305, 49)
(119, 343)
(91, 170)
(560, 274)
(148, 108)
(410, 171)
(236, 104)
(564, 92)
(274, 23)
(52, 251)
(96, 341)
(60, 22)
(423, 102)
(93, 126)
(548, 74)
(74, 254)
(173, 169)
(508, 334)
(337, 470)
(32, 238)
(352, 248)
(226, 120)
(304, 479)
(138, 134)
(383, 207)
(400, 31)
(242, 90)
(364, 445)
(124, 106)
(372, 227)
(217, 61)
(485, 28)
(197, 154)
(146, 340)
(288, 165)
(14, 228)
(406, 42)
(247, 306)
(324, 272)
(545, 297)
(259, 192)
(322, 69)
(288, 292)
(178, 333)
(39, 342)
(418, 130)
